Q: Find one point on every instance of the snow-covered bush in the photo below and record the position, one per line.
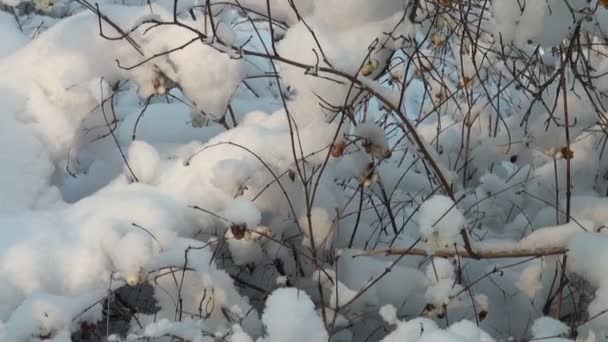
(298, 170)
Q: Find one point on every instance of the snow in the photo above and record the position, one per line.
(444, 293)
(280, 10)
(242, 211)
(247, 247)
(232, 176)
(374, 140)
(281, 307)
(389, 314)
(319, 227)
(26, 176)
(10, 36)
(535, 22)
(470, 332)
(424, 330)
(45, 317)
(239, 335)
(547, 327)
(440, 221)
(187, 329)
(130, 256)
(596, 307)
(143, 161)
(355, 273)
(586, 251)
(411, 330)
(555, 236)
(243, 198)
(530, 279)
(339, 294)
(438, 269)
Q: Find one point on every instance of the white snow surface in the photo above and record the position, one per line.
(177, 159)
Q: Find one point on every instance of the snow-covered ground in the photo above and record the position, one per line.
(299, 175)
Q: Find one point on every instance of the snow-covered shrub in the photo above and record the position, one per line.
(300, 170)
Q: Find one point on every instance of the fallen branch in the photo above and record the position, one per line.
(495, 252)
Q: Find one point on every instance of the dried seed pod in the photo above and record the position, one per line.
(292, 175)
(482, 315)
(369, 176)
(466, 81)
(241, 190)
(238, 230)
(437, 40)
(376, 150)
(567, 153)
(135, 279)
(370, 67)
(337, 150)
